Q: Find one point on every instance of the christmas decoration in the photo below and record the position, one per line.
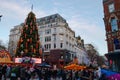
(28, 44)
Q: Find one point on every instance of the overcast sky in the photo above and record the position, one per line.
(85, 17)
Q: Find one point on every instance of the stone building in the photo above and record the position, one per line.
(56, 37)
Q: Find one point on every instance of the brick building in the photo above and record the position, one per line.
(112, 27)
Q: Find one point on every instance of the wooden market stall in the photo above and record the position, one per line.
(5, 57)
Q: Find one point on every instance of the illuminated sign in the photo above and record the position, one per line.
(27, 60)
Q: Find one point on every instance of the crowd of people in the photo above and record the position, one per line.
(18, 72)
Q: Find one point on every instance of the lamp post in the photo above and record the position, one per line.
(43, 54)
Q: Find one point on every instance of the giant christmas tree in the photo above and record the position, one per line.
(29, 44)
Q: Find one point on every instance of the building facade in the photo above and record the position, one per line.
(13, 38)
(81, 52)
(56, 38)
(112, 27)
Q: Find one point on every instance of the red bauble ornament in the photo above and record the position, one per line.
(36, 45)
(28, 40)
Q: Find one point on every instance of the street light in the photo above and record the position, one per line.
(43, 59)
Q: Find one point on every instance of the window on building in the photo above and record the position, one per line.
(66, 42)
(56, 19)
(69, 44)
(54, 45)
(114, 24)
(61, 37)
(61, 45)
(53, 16)
(111, 7)
(61, 29)
(48, 31)
(40, 32)
(40, 38)
(54, 29)
(47, 38)
(54, 37)
(67, 35)
(47, 46)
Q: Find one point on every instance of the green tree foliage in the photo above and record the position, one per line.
(29, 44)
(93, 55)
